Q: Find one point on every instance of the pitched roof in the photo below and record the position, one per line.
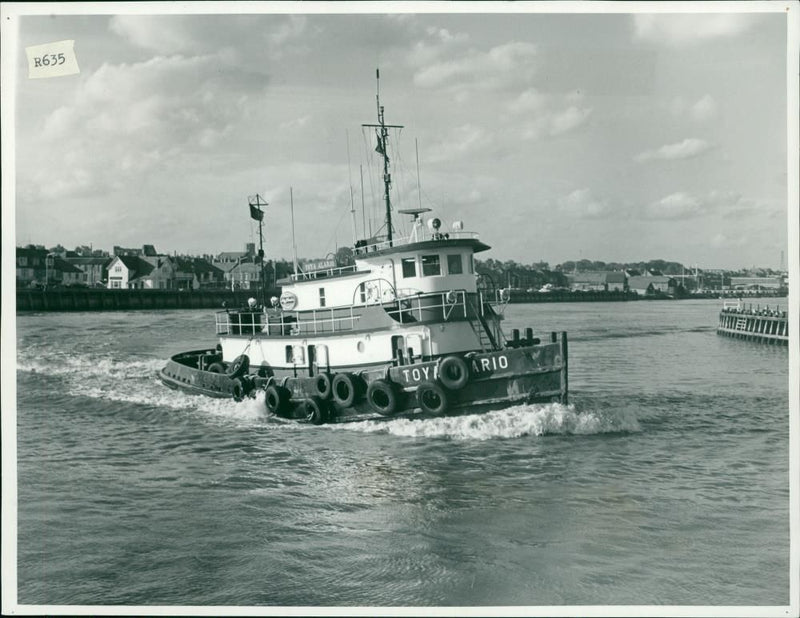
(136, 265)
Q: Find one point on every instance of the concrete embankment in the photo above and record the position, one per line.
(564, 296)
(82, 299)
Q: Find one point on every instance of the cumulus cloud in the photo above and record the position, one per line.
(681, 205)
(702, 110)
(554, 122)
(123, 120)
(460, 141)
(582, 204)
(680, 30)
(548, 115)
(496, 67)
(690, 147)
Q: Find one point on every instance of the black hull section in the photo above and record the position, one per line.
(458, 384)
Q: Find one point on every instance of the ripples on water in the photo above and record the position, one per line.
(664, 481)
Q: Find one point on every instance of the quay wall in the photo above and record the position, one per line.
(101, 299)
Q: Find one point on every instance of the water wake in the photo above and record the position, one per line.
(513, 422)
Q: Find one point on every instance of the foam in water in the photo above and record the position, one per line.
(513, 422)
(134, 381)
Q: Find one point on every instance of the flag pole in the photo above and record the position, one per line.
(294, 244)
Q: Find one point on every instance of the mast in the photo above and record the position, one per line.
(294, 244)
(382, 132)
(256, 213)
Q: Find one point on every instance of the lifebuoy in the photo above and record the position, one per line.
(322, 384)
(453, 372)
(451, 298)
(344, 389)
(383, 397)
(276, 398)
(237, 389)
(315, 409)
(432, 398)
(216, 368)
(239, 366)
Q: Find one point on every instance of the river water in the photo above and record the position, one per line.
(664, 481)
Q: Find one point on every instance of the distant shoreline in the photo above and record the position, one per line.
(101, 299)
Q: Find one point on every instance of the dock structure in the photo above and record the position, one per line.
(764, 325)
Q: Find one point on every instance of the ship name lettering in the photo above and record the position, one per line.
(417, 372)
(491, 363)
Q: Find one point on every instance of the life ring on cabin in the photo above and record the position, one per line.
(237, 389)
(239, 366)
(345, 389)
(276, 398)
(453, 372)
(315, 409)
(322, 385)
(216, 368)
(505, 295)
(432, 398)
(383, 397)
(451, 297)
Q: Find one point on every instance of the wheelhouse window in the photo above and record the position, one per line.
(322, 297)
(431, 266)
(409, 267)
(362, 292)
(471, 264)
(454, 264)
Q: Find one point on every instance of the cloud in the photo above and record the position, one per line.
(460, 141)
(704, 109)
(548, 115)
(681, 30)
(581, 204)
(555, 122)
(683, 205)
(688, 148)
(675, 206)
(126, 119)
(498, 67)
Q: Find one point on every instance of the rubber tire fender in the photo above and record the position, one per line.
(344, 389)
(239, 366)
(316, 411)
(237, 389)
(216, 368)
(453, 372)
(383, 397)
(432, 398)
(276, 398)
(322, 385)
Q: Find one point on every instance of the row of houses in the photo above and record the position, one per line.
(647, 283)
(138, 269)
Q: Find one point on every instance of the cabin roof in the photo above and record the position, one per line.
(444, 243)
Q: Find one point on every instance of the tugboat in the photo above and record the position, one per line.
(404, 331)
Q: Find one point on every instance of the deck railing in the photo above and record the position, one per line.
(419, 235)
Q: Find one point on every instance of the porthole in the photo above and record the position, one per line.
(360, 346)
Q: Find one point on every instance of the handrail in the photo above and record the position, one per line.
(322, 272)
(414, 238)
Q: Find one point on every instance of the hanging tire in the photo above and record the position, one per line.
(344, 389)
(322, 385)
(432, 398)
(239, 366)
(453, 373)
(276, 398)
(316, 411)
(237, 389)
(383, 397)
(216, 368)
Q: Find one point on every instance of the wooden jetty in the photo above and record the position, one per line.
(753, 324)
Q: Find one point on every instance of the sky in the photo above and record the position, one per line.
(556, 136)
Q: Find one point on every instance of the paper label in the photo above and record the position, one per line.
(52, 60)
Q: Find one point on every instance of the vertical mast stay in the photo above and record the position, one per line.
(382, 132)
